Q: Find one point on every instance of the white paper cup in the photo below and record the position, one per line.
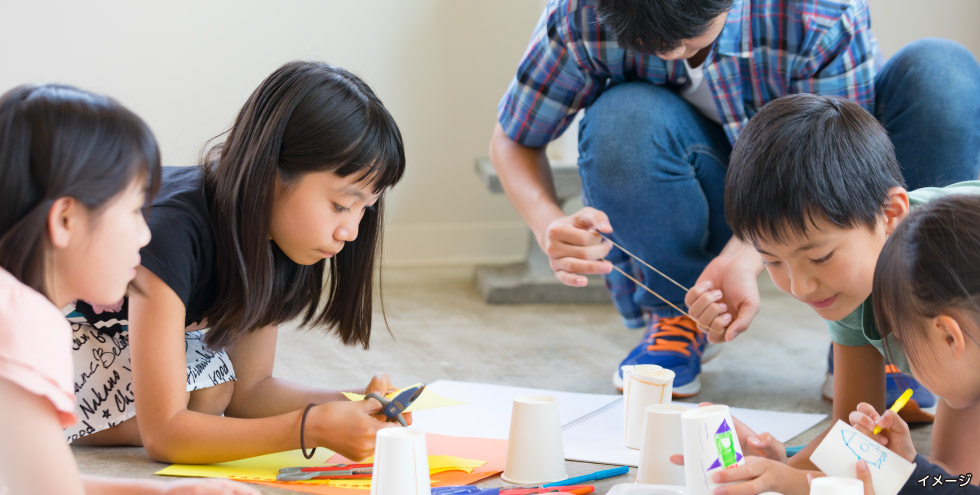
(535, 453)
(710, 444)
(833, 485)
(661, 439)
(401, 463)
(643, 385)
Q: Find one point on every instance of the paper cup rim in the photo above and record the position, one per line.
(667, 408)
(534, 399)
(396, 432)
(705, 411)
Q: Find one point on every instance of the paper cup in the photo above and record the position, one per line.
(661, 439)
(401, 463)
(535, 453)
(710, 444)
(833, 485)
(643, 385)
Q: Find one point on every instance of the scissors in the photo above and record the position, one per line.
(325, 472)
(393, 408)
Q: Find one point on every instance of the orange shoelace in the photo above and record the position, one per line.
(677, 326)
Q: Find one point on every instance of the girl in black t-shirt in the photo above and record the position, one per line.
(283, 220)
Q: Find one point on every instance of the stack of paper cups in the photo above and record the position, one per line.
(661, 439)
(710, 445)
(831, 485)
(535, 452)
(401, 463)
(643, 385)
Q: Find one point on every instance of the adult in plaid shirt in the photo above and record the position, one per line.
(667, 85)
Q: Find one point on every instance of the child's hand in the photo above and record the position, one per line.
(864, 474)
(210, 486)
(726, 295)
(894, 430)
(759, 475)
(764, 445)
(381, 385)
(575, 248)
(347, 428)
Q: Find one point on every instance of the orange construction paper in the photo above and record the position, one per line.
(491, 450)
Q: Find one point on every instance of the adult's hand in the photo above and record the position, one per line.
(575, 248)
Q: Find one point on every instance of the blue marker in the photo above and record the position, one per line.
(598, 475)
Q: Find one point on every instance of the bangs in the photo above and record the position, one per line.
(377, 155)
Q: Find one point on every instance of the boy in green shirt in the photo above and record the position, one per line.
(814, 187)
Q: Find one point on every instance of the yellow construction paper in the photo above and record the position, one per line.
(427, 400)
(266, 467)
(263, 467)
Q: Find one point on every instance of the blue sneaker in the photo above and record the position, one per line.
(896, 383)
(676, 344)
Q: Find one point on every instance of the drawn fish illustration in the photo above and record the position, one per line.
(864, 449)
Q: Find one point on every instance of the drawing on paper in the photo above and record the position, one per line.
(725, 444)
(864, 449)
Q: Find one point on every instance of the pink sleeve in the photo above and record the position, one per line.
(35, 346)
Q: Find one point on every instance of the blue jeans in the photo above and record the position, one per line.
(656, 166)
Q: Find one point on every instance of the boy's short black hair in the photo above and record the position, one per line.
(658, 26)
(803, 158)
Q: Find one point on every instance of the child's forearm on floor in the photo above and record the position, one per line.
(197, 438)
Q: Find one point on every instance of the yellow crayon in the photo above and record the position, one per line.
(899, 404)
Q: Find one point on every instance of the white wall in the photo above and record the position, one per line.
(187, 67)
(897, 22)
(439, 65)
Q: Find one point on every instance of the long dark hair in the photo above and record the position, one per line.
(305, 117)
(59, 141)
(929, 266)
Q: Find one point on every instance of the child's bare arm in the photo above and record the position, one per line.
(859, 376)
(258, 393)
(32, 445)
(171, 432)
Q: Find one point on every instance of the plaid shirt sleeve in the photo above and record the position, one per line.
(837, 54)
(551, 84)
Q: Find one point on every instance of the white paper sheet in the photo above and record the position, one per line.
(487, 408)
(838, 454)
(592, 423)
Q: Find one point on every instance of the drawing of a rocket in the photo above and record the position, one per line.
(864, 449)
(725, 444)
